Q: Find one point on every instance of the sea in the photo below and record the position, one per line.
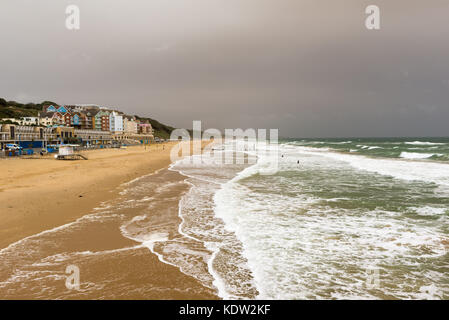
(353, 218)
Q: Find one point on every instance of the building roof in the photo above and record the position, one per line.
(46, 114)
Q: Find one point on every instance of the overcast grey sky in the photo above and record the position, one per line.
(307, 67)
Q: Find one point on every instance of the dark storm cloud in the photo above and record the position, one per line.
(310, 68)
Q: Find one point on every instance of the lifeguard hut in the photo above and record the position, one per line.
(67, 152)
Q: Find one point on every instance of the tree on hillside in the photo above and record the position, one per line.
(47, 103)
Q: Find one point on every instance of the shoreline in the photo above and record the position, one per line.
(41, 194)
(31, 183)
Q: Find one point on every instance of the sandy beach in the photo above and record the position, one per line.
(42, 194)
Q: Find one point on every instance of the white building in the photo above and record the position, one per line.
(129, 124)
(115, 122)
(28, 121)
(24, 121)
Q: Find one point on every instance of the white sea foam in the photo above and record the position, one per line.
(416, 155)
(132, 231)
(430, 211)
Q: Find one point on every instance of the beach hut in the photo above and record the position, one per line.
(67, 152)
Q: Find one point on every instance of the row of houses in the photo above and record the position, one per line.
(87, 118)
(39, 137)
(86, 125)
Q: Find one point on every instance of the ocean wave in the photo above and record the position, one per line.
(296, 248)
(368, 147)
(342, 142)
(405, 169)
(424, 143)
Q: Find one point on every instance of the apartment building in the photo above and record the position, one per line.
(29, 121)
(102, 120)
(129, 124)
(92, 136)
(115, 122)
(144, 127)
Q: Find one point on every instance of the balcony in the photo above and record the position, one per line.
(4, 136)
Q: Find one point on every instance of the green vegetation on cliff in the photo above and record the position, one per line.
(13, 109)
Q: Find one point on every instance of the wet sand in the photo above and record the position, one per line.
(41, 194)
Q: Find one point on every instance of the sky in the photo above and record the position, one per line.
(309, 68)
